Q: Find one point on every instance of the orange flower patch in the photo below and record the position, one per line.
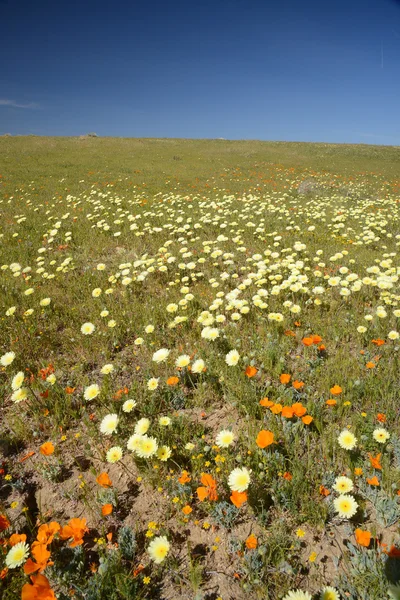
(324, 491)
(172, 380)
(266, 402)
(69, 390)
(106, 509)
(251, 542)
(378, 342)
(307, 341)
(375, 461)
(316, 339)
(288, 476)
(104, 480)
(298, 384)
(4, 523)
(209, 490)
(251, 371)
(336, 390)
(238, 498)
(373, 481)
(38, 590)
(15, 538)
(363, 538)
(287, 412)
(75, 530)
(46, 449)
(187, 510)
(285, 378)
(265, 438)
(184, 478)
(307, 419)
(298, 409)
(331, 402)
(381, 417)
(370, 365)
(276, 409)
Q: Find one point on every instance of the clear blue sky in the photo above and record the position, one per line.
(237, 69)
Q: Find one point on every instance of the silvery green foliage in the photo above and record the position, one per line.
(127, 543)
(395, 444)
(365, 575)
(225, 514)
(387, 508)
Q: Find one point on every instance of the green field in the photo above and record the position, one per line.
(199, 370)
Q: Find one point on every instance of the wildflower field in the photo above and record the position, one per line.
(199, 370)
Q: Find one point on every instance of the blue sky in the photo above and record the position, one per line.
(238, 69)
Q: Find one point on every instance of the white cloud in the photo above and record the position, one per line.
(12, 103)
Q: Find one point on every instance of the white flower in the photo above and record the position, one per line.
(152, 383)
(45, 302)
(109, 424)
(114, 454)
(142, 426)
(239, 479)
(158, 549)
(161, 355)
(224, 438)
(232, 358)
(164, 421)
(107, 369)
(345, 506)
(7, 359)
(297, 595)
(128, 405)
(91, 391)
(343, 485)
(87, 328)
(18, 380)
(17, 555)
(347, 440)
(147, 447)
(182, 361)
(381, 435)
(198, 366)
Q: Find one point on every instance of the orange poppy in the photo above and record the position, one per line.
(378, 342)
(287, 412)
(276, 409)
(187, 510)
(184, 478)
(4, 523)
(331, 402)
(104, 480)
(70, 390)
(307, 341)
(15, 538)
(307, 419)
(172, 380)
(287, 476)
(251, 371)
(298, 409)
(323, 491)
(316, 339)
(298, 384)
(375, 461)
(106, 509)
(75, 530)
(209, 490)
(358, 471)
(363, 538)
(41, 555)
(138, 570)
(46, 532)
(381, 417)
(265, 438)
(46, 449)
(336, 390)
(370, 365)
(28, 455)
(285, 378)
(266, 402)
(373, 480)
(297, 323)
(238, 498)
(38, 590)
(290, 333)
(251, 542)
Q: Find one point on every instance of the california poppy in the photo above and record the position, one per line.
(276, 409)
(285, 378)
(46, 449)
(16, 538)
(287, 412)
(265, 438)
(209, 490)
(307, 419)
(172, 380)
(4, 523)
(75, 530)
(251, 371)
(184, 478)
(238, 498)
(106, 509)
(375, 461)
(266, 402)
(38, 590)
(373, 480)
(336, 390)
(298, 384)
(187, 509)
(251, 542)
(307, 341)
(298, 409)
(363, 538)
(104, 480)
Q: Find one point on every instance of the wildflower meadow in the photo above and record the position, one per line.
(199, 370)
